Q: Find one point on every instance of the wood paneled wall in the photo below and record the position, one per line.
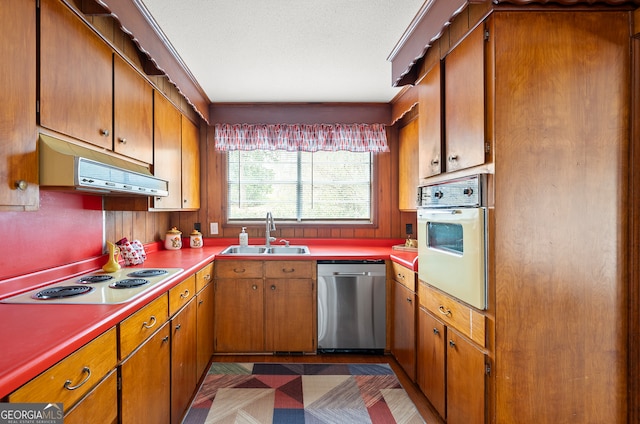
(390, 221)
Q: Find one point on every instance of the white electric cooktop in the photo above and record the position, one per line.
(97, 287)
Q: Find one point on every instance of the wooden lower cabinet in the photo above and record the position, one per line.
(288, 324)
(100, 404)
(265, 306)
(183, 360)
(239, 312)
(465, 380)
(451, 371)
(431, 359)
(204, 322)
(403, 344)
(145, 381)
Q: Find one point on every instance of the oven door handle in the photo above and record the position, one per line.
(444, 212)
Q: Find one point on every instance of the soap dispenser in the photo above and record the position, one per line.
(244, 238)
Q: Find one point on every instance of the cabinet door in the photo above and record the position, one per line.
(183, 360)
(408, 166)
(132, 112)
(464, 103)
(204, 322)
(465, 381)
(403, 344)
(239, 315)
(289, 311)
(167, 156)
(430, 118)
(146, 381)
(431, 359)
(76, 71)
(18, 109)
(190, 165)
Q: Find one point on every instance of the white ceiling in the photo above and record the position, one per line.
(287, 50)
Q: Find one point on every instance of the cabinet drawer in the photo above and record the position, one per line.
(71, 378)
(181, 294)
(289, 269)
(464, 319)
(139, 326)
(204, 277)
(404, 276)
(238, 269)
(100, 402)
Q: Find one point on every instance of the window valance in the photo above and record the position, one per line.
(301, 137)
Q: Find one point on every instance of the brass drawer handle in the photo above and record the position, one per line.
(207, 277)
(401, 276)
(68, 386)
(444, 311)
(254, 287)
(287, 270)
(185, 294)
(239, 270)
(151, 323)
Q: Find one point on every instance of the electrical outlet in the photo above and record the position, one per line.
(213, 228)
(409, 229)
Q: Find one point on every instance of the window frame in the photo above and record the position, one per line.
(338, 224)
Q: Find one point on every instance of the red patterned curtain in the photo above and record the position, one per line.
(298, 137)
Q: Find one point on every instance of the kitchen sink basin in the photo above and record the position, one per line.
(288, 250)
(264, 250)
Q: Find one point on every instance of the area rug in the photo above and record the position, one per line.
(301, 394)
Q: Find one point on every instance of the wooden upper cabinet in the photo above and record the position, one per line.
(76, 87)
(132, 112)
(19, 173)
(190, 164)
(464, 84)
(408, 166)
(167, 159)
(430, 118)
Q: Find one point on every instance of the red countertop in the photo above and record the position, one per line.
(36, 336)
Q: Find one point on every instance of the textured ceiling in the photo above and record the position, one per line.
(287, 50)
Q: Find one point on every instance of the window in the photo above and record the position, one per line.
(299, 186)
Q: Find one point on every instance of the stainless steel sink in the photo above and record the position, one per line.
(288, 250)
(244, 250)
(264, 250)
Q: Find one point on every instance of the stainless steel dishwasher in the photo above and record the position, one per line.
(351, 306)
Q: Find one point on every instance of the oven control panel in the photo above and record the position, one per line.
(462, 192)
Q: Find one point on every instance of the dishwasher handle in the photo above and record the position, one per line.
(356, 274)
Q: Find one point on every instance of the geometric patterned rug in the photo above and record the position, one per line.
(295, 393)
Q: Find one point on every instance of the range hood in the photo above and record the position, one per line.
(67, 166)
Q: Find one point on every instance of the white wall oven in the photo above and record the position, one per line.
(452, 238)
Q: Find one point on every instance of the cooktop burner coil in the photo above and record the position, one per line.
(129, 283)
(62, 291)
(147, 273)
(95, 278)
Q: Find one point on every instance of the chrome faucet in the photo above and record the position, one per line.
(271, 226)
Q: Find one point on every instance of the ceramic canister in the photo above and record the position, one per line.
(195, 239)
(173, 239)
